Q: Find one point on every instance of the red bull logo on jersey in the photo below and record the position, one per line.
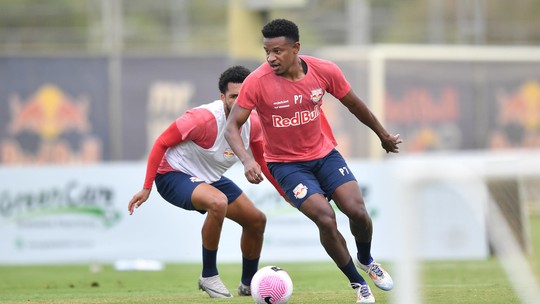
(228, 153)
(316, 95)
(49, 114)
(299, 118)
(300, 191)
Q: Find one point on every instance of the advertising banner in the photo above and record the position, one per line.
(78, 214)
(53, 110)
(157, 90)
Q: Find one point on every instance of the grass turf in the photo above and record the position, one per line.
(441, 282)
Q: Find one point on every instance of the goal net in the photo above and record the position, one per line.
(500, 184)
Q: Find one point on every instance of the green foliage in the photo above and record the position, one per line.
(200, 26)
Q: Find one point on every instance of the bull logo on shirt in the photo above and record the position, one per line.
(228, 153)
(316, 95)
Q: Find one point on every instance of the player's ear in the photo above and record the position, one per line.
(296, 47)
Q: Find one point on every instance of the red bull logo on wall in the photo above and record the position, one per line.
(431, 119)
(49, 127)
(518, 119)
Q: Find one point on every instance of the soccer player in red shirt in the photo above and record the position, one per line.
(287, 92)
(187, 163)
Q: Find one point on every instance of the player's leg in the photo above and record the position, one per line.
(187, 193)
(208, 198)
(253, 222)
(302, 188)
(317, 208)
(338, 182)
(304, 191)
(348, 197)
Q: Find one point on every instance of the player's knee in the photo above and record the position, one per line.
(355, 209)
(218, 204)
(326, 222)
(360, 215)
(363, 212)
(261, 222)
(257, 223)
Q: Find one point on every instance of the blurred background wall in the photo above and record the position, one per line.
(97, 80)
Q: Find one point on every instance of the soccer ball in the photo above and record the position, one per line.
(271, 285)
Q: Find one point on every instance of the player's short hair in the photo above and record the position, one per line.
(281, 28)
(234, 74)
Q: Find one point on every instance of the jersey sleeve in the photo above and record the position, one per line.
(248, 92)
(169, 138)
(199, 126)
(338, 85)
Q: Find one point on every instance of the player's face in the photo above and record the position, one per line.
(280, 53)
(229, 98)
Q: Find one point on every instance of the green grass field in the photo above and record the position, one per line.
(441, 282)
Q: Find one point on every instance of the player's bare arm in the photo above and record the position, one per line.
(237, 117)
(389, 142)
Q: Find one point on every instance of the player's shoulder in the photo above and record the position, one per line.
(205, 112)
(317, 62)
(262, 71)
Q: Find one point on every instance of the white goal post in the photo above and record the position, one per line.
(470, 178)
(497, 180)
(377, 56)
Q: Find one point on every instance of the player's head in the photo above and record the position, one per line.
(234, 74)
(281, 44)
(281, 28)
(229, 84)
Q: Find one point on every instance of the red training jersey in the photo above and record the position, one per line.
(194, 138)
(294, 125)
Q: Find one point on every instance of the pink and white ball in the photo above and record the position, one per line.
(271, 285)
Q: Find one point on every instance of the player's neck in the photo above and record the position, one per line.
(296, 72)
(226, 109)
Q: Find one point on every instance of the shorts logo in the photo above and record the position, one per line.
(316, 95)
(194, 179)
(300, 191)
(228, 153)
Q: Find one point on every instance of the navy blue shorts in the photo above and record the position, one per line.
(300, 180)
(177, 187)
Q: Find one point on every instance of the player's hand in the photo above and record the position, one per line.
(138, 199)
(390, 144)
(253, 172)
